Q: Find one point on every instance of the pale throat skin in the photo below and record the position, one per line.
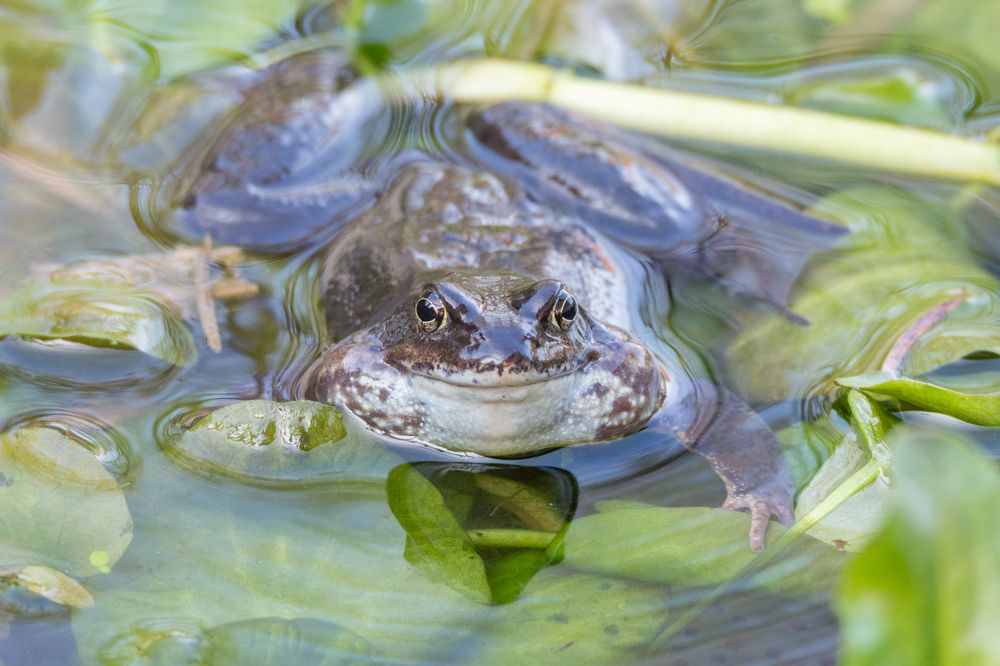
(500, 377)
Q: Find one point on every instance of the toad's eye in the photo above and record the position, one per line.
(431, 312)
(564, 310)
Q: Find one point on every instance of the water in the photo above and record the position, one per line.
(107, 109)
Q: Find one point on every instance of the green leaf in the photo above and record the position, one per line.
(61, 506)
(981, 410)
(871, 423)
(691, 546)
(101, 316)
(260, 441)
(572, 619)
(435, 543)
(927, 589)
(852, 523)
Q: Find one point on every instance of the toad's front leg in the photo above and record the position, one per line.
(742, 450)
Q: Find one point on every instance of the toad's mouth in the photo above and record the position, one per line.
(498, 388)
(484, 382)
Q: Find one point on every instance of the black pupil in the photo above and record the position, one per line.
(426, 311)
(568, 311)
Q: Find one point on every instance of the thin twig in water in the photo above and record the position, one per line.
(910, 336)
(204, 302)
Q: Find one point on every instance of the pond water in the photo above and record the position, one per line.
(200, 529)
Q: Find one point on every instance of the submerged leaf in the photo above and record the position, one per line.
(510, 570)
(102, 316)
(979, 409)
(927, 588)
(60, 505)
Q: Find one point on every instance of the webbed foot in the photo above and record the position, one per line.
(773, 499)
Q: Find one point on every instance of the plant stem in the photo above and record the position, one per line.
(699, 117)
(511, 538)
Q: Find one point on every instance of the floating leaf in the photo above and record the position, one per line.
(872, 424)
(270, 442)
(101, 316)
(980, 409)
(691, 546)
(927, 588)
(60, 504)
